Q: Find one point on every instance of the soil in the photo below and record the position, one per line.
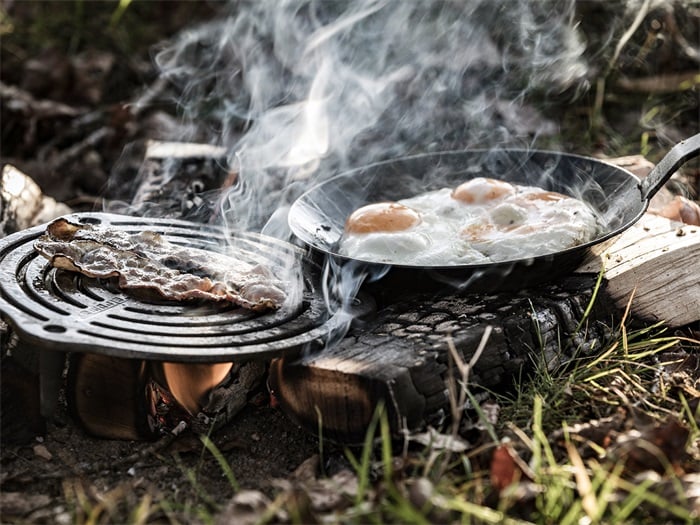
(40, 479)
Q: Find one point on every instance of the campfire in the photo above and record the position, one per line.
(211, 269)
(218, 198)
(110, 308)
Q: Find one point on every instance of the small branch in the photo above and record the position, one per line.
(21, 100)
(643, 11)
(672, 83)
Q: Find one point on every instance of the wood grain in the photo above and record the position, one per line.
(657, 260)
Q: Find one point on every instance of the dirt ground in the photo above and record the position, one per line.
(42, 480)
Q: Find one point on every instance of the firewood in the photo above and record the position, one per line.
(22, 203)
(20, 419)
(106, 396)
(400, 358)
(38, 109)
(399, 355)
(657, 260)
(176, 178)
(669, 83)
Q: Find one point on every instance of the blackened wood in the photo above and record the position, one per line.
(179, 179)
(401, 356)
(20, 418)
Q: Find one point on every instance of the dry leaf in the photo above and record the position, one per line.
(504, 470)
(438, 441)
(654, 447)
(246, 507)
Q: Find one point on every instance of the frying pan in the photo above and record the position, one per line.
(617, 196)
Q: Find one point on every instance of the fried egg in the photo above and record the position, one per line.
(419, 231)
(482, 190)
(382, 217)
(531, 223)
(482, 220)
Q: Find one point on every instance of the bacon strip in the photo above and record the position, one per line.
(147, 260)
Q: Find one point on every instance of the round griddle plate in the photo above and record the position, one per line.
(61, 310)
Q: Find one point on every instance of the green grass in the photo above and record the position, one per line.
(557, 485)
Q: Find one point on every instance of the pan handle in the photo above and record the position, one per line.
(681, 152)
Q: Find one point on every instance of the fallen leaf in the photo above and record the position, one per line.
(42, 452)
(504, 470)
(654, 447)
(246, 507)
(439, 441)
(20, 503)
(682, 210)
(308, 469)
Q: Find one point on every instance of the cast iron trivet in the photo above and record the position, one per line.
(64, 311)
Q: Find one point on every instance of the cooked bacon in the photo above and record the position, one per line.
(146, 260)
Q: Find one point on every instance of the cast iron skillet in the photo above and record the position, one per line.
(620, 199)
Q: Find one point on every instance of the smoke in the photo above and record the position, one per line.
(299, 90)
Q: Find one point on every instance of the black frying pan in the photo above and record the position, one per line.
(619, 198)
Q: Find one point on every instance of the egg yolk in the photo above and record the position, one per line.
(478, 231)
(481, 190)
(382, 217)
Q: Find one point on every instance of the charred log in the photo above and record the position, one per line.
(401, 357)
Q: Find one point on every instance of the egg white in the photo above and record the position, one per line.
(528, 228)
(508, 228)
(434, 241)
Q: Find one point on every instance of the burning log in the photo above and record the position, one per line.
(106, 396)
(135, 399)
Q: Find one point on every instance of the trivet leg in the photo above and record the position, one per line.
(51, 364)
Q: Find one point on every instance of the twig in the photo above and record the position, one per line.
(21, 100)
(147, 99)
(77, 128)
(92, 140)
(693, 53)
(600, 84)
(457, 401)
(643, 10)
(671, 83)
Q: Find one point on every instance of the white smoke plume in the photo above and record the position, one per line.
(297, 91)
